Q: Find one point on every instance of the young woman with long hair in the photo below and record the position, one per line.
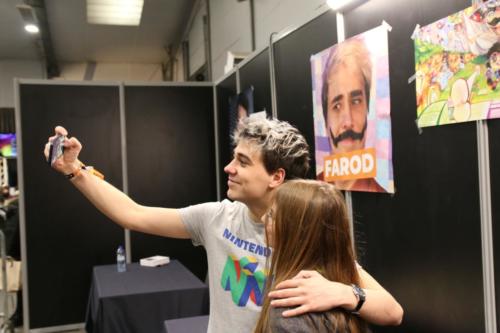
(308, 229)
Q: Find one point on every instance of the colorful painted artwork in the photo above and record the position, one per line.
(351, 105)
(457, 64)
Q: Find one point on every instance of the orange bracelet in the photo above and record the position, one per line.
(83, 167)
(76, 172)
(94, 172)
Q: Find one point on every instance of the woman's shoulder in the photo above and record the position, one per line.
(309, 322)
(279, 324)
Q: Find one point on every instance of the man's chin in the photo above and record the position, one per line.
(347, 146)
(232, 195)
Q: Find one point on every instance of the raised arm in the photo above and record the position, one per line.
(309, 291)
(112, 202)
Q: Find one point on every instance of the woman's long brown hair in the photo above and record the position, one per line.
(311, 231)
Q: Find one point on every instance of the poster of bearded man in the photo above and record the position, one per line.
(351, 105)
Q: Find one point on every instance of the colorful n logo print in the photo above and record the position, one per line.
(242, 279)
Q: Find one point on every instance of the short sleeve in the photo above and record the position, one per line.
(196, 218)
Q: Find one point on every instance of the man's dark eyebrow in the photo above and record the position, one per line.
(337, 98)
(244, 158)
(356, 93)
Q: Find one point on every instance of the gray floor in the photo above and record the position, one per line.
(12, 304)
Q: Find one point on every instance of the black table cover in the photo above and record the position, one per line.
(142, 298)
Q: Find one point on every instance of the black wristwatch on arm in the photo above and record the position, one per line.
(360, 295)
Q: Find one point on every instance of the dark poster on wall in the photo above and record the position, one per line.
(240, 107)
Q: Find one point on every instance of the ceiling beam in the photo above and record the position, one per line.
(43, 41)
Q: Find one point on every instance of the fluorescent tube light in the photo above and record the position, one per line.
(344, 5)
(31, 28)
(114, 12)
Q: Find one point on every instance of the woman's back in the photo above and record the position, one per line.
(334, 321)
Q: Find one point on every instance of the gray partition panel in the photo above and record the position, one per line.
(256, 73)
(423, 243)
(171, 160)
(65, 235)
(225, 90)
(293, 73)
(494, 138)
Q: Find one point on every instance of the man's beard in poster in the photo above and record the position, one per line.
(349, 134)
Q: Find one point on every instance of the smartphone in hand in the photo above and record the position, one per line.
(56, 148)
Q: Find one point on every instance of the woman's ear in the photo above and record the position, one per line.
(278, 177)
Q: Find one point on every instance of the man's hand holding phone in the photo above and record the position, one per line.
(62, 152)
(56, 148)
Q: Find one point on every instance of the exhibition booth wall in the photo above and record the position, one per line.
(224, 90)
(170, 160)
(154, 142)
(424, 242)
(63, 236)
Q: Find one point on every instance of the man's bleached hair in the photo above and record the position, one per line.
(281, 145)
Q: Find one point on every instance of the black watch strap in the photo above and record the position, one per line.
(360, 295)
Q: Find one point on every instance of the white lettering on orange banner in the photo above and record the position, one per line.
(356, 164)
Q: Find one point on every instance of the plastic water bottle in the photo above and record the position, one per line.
(120, 259)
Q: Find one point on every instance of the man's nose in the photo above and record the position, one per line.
(346, 118)
(230, 169)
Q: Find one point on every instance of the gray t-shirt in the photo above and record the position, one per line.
(236, 253)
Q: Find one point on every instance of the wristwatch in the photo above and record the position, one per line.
(360, 295)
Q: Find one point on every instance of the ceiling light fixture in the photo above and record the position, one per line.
(31, 28)
(344, 5)
(114, 12)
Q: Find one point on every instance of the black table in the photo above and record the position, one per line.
(198, 324)
(142, 298)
